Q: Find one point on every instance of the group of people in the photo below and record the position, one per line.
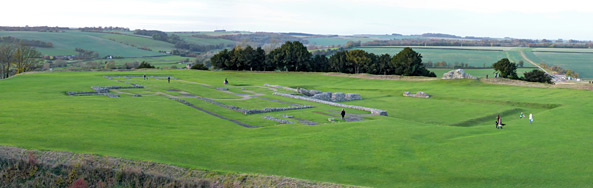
(499, 123)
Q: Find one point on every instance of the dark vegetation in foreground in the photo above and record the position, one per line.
(32, 168)
(294, 56)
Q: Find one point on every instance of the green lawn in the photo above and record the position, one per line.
(448, 140)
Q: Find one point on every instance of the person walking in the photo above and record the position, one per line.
(530, 118)
(497, 121)
(521, 116)
(169, 79)
(343, 113)
(226, 81)
(145, 77)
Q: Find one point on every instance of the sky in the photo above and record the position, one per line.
(529, 19)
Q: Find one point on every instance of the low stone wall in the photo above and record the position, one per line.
(326, 96)
(253, 111)
(281, 87)
(420, 94)
(281, 121)
(372, 110)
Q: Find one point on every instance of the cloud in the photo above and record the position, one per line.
(489, 6)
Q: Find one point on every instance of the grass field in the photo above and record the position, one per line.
(156, 61)
(579, 61)
(474, 56)
(65, 43)
(447, 141)
(140, 41)
(480, 73)
(330, 41)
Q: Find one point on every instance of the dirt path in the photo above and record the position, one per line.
(533, 63)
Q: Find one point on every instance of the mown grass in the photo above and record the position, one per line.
(414, 146)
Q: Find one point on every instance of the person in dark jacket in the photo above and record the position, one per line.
(343, 113)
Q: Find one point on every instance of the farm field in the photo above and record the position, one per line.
(480, 73)
(574, 60)
(446, 141)
(139, 41)
(206, 41)
(65, 43)
(474, 56)
(156, 61)
(330, 41)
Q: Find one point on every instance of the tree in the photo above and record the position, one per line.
(145, 65)
(337, 62)
(219, 60)
(537, 76)
(409, 63)
(359, 59)
(320, 63)
(384, 65)
(199, 66)
(506, 68)
(7, 52)
(520, 64)
(291, 56)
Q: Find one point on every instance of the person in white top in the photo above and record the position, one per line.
(530, 118)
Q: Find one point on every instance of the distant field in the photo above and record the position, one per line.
(66, 42)
(205, 41)
(474, 56)
(330, 41)
(157, 61)
(480, 73)
(582, 63)
(139, 41)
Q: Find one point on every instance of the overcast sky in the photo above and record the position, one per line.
(534, 19)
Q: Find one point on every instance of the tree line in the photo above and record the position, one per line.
(36, 43)
(17, 58)
(294, 56)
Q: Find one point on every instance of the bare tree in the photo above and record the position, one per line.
(7, 52)
(25, 58)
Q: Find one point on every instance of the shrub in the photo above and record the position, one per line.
(198, 66)
(537, 76)
(145, 65)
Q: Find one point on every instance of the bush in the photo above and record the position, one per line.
(145, 65)
(537, 76)
(506, 68)
(198, 66)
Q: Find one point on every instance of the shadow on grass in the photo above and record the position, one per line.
(491, 117)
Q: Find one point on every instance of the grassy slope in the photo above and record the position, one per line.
(65, 43)
(411, 147)
(139, 41)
